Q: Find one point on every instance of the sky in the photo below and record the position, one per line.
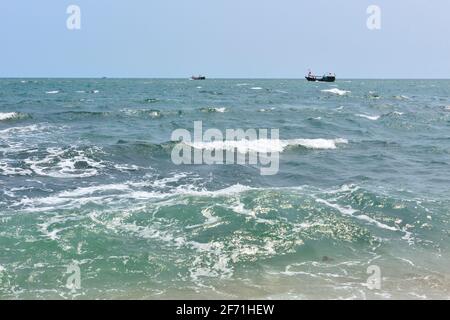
(225, 39)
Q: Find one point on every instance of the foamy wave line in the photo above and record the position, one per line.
(373, 118)
(349, 211)
(336, 91)
(11, 116)
(114, 193)
(402, 97)
(142, 112)
(214, 109)
(377, 117)
(266, 110)
(267, 145)
(27, 129)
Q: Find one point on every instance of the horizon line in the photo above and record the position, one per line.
(214, 78)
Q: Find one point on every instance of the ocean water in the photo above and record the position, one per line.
(87, 182)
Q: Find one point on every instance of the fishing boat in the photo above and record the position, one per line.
(198, 78)
(330, 77)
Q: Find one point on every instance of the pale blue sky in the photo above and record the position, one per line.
(225, 38)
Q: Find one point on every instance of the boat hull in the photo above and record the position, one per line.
(321, 79)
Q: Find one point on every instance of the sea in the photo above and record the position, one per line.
(92, 205)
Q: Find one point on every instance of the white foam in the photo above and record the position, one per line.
(57, 166)
(8, 115)
(336, 91)
(373, 118)
(402, 97)
(256, 88)
(349, 211)
(126, 167)
(231, 190)
(221, 110)
(211, 261)
(52, 92)
(267, 145)
(134, 112)
(83, 191)
(215, 109)
(7, 170)
(375, 222)
(210, 219)
(25, 129)
(116, 193)
(239, 208)
(266, 110)
(155, 114)
(162, 183)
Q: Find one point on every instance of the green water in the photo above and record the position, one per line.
(87, 180)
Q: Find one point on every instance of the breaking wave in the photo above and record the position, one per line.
(4, 116)
(153, 113)
(336, 91)
(214, 109)
(368, 117)
(268, 145)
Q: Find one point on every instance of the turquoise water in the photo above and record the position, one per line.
(86, 179)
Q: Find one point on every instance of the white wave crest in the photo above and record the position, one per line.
(336, 91)
(267, 145)
(373, 118)
(214, 109)
(266, 110)
(9, 115)
(402, 97)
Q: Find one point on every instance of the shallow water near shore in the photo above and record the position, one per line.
(86, 179)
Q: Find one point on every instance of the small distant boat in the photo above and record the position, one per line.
(330, 77)
(198, 78)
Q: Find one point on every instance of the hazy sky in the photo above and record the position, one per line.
(225, 38)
